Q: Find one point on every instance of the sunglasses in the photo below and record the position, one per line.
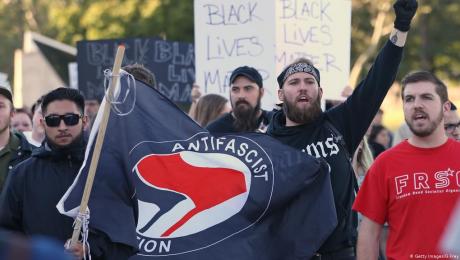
(69, 119)
(451, 127)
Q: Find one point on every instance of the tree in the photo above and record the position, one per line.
(69, 21)
(433, 44)
(378, 13)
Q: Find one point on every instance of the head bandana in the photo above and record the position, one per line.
(298, 67)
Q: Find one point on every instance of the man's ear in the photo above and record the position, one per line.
(446, 107)
(281, 95)
(262, 91)
(42, 122)
(85, 121)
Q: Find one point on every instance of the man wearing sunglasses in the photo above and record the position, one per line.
(34, 187)
(452, 123)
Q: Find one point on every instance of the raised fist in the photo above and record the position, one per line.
(405, 11)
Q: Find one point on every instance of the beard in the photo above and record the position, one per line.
(5, 125)
(76, 141)
(246, 116)
(302, 115)
(424, 132)
(4, 128)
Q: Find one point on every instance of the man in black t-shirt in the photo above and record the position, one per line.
(246, 91)
(335, 134)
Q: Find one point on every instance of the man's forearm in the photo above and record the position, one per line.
(368, 240)
(398, 38)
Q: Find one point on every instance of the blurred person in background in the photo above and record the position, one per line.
(403, 133)
(246, 92)
(379, 139)
(362, 160)
(452, 123)
(195, 95)
(37, 135)
(15, 246)
(140, 72)
(21, 120)
(207, 108)
(14, 147)
(91, 107)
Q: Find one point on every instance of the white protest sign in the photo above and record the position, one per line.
(230, 34)
(318, 30)
(268, 35)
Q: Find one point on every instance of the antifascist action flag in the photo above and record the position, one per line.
(166, 186)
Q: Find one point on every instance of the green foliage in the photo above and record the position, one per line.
(69, 21)
(11, 36)
(433, 44)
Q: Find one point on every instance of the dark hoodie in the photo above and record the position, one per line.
(34, 187)
(351, 119)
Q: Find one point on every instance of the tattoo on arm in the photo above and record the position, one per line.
(394, 38)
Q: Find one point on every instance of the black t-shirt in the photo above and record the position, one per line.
(224, 124)
(351, 118)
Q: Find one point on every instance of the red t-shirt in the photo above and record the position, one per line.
(414, 190)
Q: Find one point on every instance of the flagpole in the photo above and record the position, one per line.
(97, 148)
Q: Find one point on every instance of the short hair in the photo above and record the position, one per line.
(36, 104)
(302, 60)
(425, 76)
(64, 94)
(25, 111)
(141, 73)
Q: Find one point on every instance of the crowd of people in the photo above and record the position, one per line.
(396, 182)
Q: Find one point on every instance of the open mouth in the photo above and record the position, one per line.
(303, 99)
(419, 116)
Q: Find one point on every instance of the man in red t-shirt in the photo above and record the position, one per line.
(414, 185)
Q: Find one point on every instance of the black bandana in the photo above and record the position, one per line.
(298, 67)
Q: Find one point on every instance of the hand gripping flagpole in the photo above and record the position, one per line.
(97, 148)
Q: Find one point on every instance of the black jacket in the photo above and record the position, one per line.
(32, 191)
(351, 119)
(224, 124)
(34, 187)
